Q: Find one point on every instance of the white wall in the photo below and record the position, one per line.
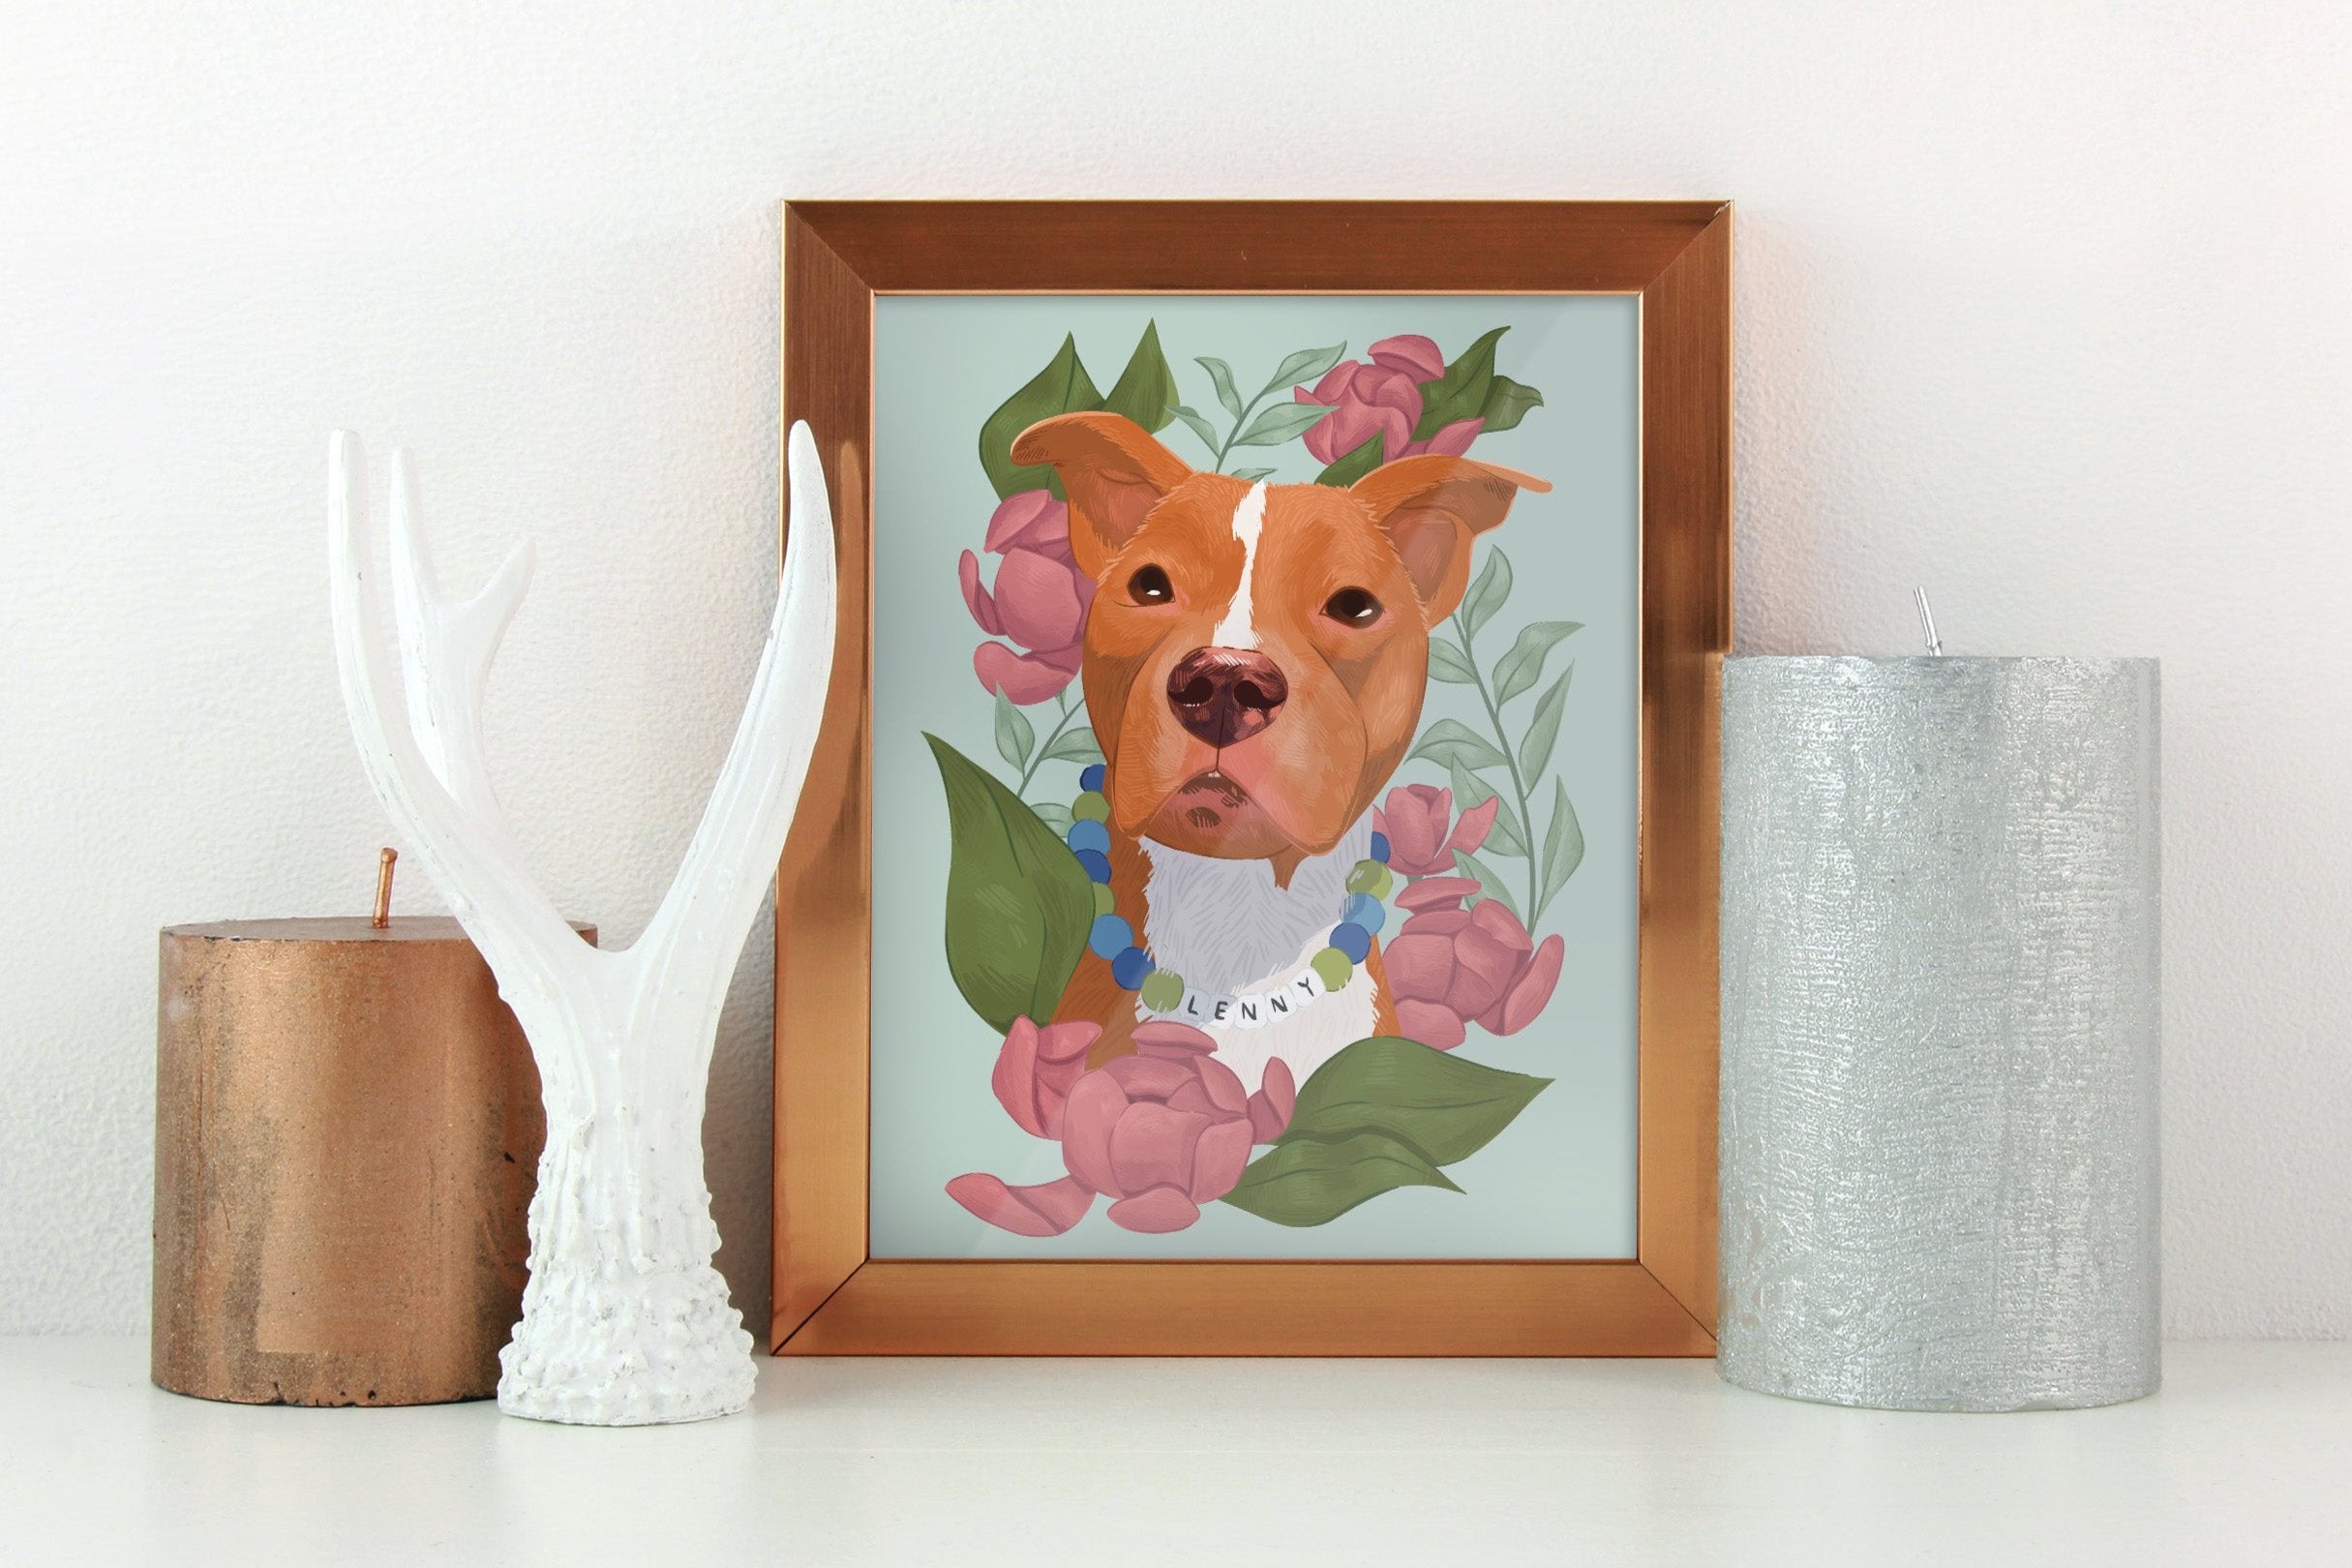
(2042, 306)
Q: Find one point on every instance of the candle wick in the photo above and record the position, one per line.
(383, 888)
(1927, 624)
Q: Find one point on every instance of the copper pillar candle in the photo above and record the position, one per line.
(348, 1123)
(1940, 1031)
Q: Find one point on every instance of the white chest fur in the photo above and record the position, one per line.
(1224, 926)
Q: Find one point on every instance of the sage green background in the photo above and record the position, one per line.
(1559, 1181)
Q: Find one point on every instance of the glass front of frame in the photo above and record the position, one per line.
(1255, 729)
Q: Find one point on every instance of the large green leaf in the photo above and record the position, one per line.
(1221, 374)
(1488, 592)
(1306, 365)
(1460, 392)
(1147, 387)
(1524, 666)
(1507, 404)
(1563, 846)
(1014, 738)
(1353, 466)
(1535, 746)
(1312, 1182)
(1449, 663)
(1443, 1105)
(1061, 387)
(1280, 422)
(1018, 902)
(1447, 740)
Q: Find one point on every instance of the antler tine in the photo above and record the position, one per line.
(464, 850)
(350, 557)
(751, 804)
(446, 650)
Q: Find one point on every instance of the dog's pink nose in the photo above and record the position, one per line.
(1225, 694)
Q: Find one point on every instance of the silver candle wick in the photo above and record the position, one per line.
(1927, 624)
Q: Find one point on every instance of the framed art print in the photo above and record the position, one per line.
(1256, 891)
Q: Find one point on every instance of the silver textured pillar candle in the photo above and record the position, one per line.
(1940, 1025)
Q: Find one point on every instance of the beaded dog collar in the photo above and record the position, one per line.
(1163, 991)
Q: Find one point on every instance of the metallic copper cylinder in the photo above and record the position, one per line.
(347, 1133)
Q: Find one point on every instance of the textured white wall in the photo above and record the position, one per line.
(2042, 306)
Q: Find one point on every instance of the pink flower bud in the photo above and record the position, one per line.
(1383, 397)
(1037, 603)
(1423, 833)
(1449, 966)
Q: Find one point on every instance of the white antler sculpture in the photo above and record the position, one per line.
(624, 1320)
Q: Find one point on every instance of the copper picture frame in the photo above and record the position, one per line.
(830, 1295)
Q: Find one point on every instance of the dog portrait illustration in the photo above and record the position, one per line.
(1237, 896)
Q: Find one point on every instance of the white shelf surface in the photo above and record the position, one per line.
(2245, 1458)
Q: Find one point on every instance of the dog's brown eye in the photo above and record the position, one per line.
(1150, 585)
(1352, 607)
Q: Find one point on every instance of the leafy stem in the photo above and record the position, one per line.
(1502, 743)
(1275, 425)
(1070, 710)
(1234, 434)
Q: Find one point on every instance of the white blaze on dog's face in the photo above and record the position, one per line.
(1257, 656)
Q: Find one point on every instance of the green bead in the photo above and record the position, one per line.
(1106, 902)
(1091, 807)
(1161, 990)
(1333, 968)
(1370, 877)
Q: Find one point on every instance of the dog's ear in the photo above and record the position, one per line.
(1432, 508)
(1111, 469)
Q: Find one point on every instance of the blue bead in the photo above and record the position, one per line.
(1090, 836)
(1111, 936)
(1362, 909)
(1096, 864)
(1379, 848)
(1131, 968)
(1352, 940)
(1090, 777)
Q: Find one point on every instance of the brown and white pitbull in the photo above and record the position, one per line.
(1254, 665)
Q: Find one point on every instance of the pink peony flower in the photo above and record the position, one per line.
(1383, 397)
(1450, 966)
(1160, 1132)
(1415, 818)
(1039, 602)
(1036, 1069)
